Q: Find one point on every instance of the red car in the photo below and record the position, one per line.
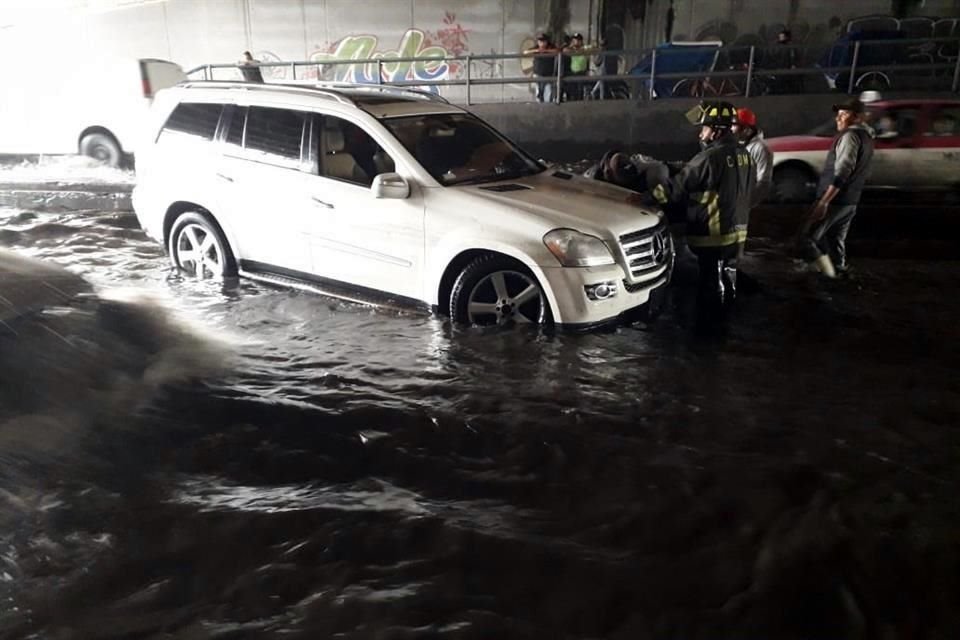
(917, 147)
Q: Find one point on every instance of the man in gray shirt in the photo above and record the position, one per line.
(838, 193)
(751, 137)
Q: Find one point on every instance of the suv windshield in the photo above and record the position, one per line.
(458, 148)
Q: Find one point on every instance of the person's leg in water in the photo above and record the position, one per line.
(710, 286)
(745, 283)
(813, 246)
(836, 239)
(729, 278)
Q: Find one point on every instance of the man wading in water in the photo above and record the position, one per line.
(824, 237)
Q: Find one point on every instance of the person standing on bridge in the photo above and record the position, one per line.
(250, 69)
(825, 233)
(544, 67)
(716, 186)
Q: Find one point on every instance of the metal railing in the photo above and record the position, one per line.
(725, 71)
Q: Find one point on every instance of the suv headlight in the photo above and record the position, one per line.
(575, 249)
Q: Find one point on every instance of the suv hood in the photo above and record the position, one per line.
(561, 199)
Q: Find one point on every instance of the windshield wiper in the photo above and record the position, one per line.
(493, 177)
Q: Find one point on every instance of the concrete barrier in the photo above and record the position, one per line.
(65, 197)
(577, 130)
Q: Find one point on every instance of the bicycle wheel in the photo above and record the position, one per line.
(683, 89)
(709, 90)
(688, 88)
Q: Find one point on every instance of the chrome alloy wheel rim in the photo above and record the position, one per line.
(198, 252)
(504, 296)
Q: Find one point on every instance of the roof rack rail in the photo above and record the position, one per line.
(383, 88)
(257, 86)
(329, 89)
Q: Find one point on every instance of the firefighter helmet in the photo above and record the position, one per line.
(717, 114)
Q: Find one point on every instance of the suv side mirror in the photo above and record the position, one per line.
(390, 185)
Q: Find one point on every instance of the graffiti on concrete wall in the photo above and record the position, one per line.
(372, 59)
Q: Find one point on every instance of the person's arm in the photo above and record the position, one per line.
(691, 179)
(848, 148)
(763, 161)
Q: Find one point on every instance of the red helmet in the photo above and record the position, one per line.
(747, 117)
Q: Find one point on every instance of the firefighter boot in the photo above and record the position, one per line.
(728, 276)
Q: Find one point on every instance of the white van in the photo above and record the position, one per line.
(92, 108)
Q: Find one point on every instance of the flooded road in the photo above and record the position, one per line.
(191, 460)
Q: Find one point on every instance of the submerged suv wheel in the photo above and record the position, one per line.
(495, 290)
(198, 248)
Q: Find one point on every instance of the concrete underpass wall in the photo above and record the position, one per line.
(197, 32)
(756, 22)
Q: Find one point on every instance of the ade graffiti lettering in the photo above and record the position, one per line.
(450, 40)
(412, 44)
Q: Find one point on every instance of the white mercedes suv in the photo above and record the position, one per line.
(384, 196)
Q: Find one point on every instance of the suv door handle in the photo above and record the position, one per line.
(323, 203)
(225, 177)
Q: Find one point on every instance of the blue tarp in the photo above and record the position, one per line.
(673, 58)
(840, 53)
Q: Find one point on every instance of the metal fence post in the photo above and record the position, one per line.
(208, 73)
(653, 74)
(559, 64)
(853, 66)
(293, 70)
(468, 80)
(956, 71)
(379, 70)
(746, 91)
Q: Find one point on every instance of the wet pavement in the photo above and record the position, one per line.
(192, 460)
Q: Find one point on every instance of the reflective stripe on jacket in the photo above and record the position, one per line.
(716, 186)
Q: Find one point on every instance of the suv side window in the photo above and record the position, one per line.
(234, 136)
(195, 119)
(274, 135)
(348, 153)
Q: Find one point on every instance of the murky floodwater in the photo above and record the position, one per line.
(189, 460)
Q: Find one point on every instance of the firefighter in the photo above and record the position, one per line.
(716, 187)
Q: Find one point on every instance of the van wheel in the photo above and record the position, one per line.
(198, 248)
(102, 147)
(496, 290)
(791, 184)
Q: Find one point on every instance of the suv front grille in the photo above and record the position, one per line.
(648, 252)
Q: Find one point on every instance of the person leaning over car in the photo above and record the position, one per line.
(716, 185)
(838, 192)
